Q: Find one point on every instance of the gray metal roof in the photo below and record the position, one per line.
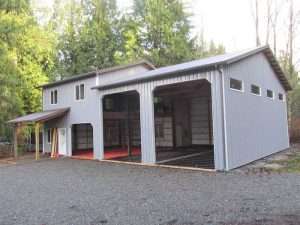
(206, 63)
(41, 116)
(145, 63)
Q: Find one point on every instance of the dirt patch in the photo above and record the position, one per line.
(285, 161)
(5, 151)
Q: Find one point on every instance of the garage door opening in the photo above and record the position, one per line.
(183, 124)
(82, 141)
(121, 119)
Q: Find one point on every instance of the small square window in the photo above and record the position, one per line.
(270, 94)
(280, 96)
(236, 84)
(109, 104)
(255, 89)
(53, 97)
(79, 92)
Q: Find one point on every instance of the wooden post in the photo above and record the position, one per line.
(37, 141)
(54, 143)
(16, 134)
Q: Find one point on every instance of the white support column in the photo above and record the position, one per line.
(98, 138)
(147, 124)
(218, 121)
(69, 141)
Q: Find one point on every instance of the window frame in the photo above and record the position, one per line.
(81, 95)
(49, 138)
(109, 102)
(283, 97)
(259, 88)
(234, 89)
(273, 96)
(54, 97)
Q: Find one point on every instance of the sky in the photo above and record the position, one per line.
(218, 21)
(229, 22)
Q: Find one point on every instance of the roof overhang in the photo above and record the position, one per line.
(210, 63)
(40, 116)
(92, 74)
(277, 69)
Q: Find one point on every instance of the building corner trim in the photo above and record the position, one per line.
(221, 72)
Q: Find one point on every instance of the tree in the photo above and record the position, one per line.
(99, 36)
(16, 6)
(163, 30)
(26, 55)
(68, 24)
(10, 102)
(90, 37)
(256, 19)
(130, 44)
(205, 49)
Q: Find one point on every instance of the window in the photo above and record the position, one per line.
(49, 136)
(109, 104)
(79, 92)
(270, 94)
(255, 89)
(236, 84)
(280, 97)
(54, 97)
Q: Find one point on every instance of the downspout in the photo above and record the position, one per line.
(221, 71)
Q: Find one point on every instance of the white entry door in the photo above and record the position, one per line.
(62, 141)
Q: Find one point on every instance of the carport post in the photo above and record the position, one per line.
(16, 134)
(37, 141)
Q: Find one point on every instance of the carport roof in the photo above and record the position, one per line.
(206, 63)
(41, 116)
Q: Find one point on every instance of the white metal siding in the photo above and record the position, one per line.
(256, 125)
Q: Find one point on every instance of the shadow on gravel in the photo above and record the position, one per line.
(273, 220)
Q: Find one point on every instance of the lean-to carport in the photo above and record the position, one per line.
(38, 119)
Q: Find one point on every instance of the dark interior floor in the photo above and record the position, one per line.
(197, 156)
(204, 160)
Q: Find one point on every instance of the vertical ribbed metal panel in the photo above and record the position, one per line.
(217, 115)
(256, 125)
(147, 123)
(147, 112)
(98, 137)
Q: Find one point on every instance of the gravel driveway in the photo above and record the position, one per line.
(69, 191)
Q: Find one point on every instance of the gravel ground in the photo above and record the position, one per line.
(69, 191)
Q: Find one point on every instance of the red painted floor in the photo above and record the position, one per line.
(108, 153)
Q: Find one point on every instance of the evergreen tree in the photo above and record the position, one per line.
(164, 30)
(99, 37)
(27, 56)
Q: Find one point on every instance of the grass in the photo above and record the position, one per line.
(291, 165)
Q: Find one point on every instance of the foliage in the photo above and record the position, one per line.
(90, 38)
(82, 35)
(293, 78)
(164, 31)
(27, 60)
(17, 6)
